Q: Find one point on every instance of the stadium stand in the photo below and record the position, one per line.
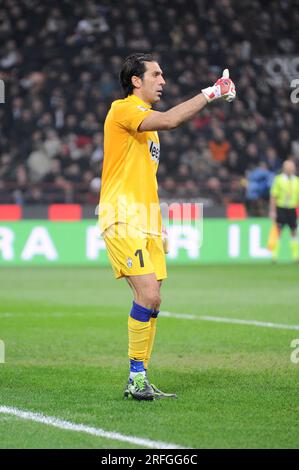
(60, 61)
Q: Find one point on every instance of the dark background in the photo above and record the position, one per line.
(60, 62)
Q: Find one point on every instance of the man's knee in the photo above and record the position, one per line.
(147, 292)
(151, 298)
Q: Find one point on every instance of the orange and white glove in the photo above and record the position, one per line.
(223, 88)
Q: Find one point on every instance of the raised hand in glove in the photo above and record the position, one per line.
(223, 88)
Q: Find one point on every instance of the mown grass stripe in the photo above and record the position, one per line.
(183, 316)
(67, 425)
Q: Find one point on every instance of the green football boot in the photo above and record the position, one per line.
(139, 389)
(159, 394)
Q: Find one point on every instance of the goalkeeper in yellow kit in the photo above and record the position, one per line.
(129, 214)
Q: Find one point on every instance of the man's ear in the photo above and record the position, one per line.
(136, 81)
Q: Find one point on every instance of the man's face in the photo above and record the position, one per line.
(289, 167)
(151, 86)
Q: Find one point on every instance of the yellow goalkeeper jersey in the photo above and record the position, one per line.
(129, 189)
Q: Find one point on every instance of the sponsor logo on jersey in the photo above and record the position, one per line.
(142, 108)
(154, 149)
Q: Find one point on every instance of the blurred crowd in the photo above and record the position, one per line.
(60, 62)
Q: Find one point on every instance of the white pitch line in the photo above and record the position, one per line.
(186, 316)
(67, 425)
(251, 322)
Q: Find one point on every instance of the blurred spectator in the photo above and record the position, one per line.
(38, 163)
(219, 146)
(60, 62)
(273, 163)
(283, 144)
(259, 182)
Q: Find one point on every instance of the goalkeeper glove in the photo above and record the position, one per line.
(223, 88)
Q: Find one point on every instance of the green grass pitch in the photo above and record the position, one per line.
(65, 334)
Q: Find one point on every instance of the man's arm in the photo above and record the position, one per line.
(174, 117)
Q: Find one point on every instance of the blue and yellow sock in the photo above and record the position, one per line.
(153, 329)
(139, 332)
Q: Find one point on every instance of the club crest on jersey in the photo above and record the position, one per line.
(154, 149)
(129, 262)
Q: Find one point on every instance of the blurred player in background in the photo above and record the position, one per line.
(284, 200)
(130, 217)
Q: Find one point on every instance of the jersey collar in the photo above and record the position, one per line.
(288, 178)
(139, 101)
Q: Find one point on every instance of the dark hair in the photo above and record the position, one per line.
(133, 65)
